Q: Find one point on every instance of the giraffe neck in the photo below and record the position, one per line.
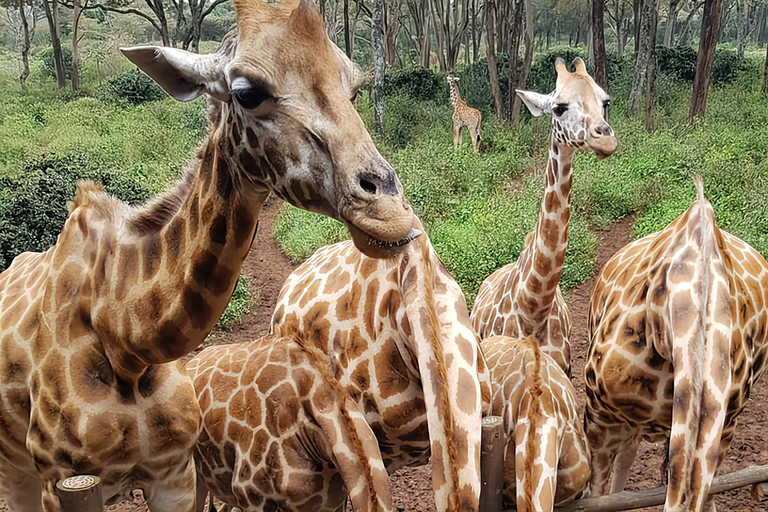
(178, 271)
(455, 96)
(542, 261)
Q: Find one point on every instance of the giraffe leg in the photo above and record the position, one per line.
(456, 134)
(176, 491)
(604, 444)
(623, 462)
(21, 490)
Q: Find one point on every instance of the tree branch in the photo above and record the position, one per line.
(210, 9)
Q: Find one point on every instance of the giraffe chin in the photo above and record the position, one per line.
(376, 248)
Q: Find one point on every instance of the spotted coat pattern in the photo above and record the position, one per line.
(464, 116)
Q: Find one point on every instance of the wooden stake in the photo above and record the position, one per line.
(80, 493)
(651, 497)
(760, 492)
(492, 464)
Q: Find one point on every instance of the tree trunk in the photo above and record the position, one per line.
(514, 49)
(475, 49)
(77, 11)
(636, 7)
(527, 59)
(491, 57)
(741, 26)
(25, 46)
(669, 30)
(710, 30)
(765, 73)
(52, 13)
(377, 38)
(347, 41)
(650, 79)
(598, 43)
(643, 56)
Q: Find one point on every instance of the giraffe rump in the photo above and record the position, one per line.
(700, 312)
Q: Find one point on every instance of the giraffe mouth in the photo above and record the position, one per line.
(381, 244)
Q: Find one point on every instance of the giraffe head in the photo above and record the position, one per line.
(287, 122)
(579, 110)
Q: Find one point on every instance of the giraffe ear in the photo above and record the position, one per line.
(537, 103)
(184, 75)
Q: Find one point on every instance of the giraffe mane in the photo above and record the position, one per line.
(159, 211)
(533, 376)
(90, 193)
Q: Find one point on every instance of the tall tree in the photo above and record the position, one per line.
(377, 38)
(644, 52)
(620, 22)
(598, 43)
(158, 22)
(765, 74)
(514, 49)
(650, 79)
(78, 7)
(52, 14)
(669, 29)
(491, 57)
(710, 32)
(527, 59)
(25, 41)
(347, 40)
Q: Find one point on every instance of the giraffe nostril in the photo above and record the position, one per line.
(367, 186)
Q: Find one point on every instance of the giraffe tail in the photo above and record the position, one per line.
(536, 438)
(353, 445)
(700, 334)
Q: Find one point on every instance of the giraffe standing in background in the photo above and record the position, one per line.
(678, 323)
(463, 116)
(91, 329)
(280, 433)
(524, 298)
(547, 457)
(396, 331)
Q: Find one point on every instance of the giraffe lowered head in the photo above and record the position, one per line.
(579, 109)
(287, 123)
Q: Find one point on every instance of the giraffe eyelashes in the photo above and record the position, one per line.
(251, 97)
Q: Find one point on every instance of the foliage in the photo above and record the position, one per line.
(416, 82)
(49, 62)
(34, 205)
(543, 75)
(475, 86)
(132, 86)
(239, 305)
(680, 62)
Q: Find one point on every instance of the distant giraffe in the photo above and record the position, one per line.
(397, 332)
(91, 329)
(524, 297)
(678, 325)
(547, 457)
(280, 433)
(463, 116)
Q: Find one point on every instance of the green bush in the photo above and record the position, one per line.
(416, 82)
(727, 66)
(49, 63)
(475, 85)
(680, 62)
(543, 75)
(34, 204)
(132, 86)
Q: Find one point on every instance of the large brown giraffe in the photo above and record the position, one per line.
(280, 433)
(464, 116)
(396, 332)
(678, 322)
(90, 328)
(547, 457)
(524, 298)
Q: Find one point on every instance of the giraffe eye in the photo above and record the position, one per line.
(251, 97)
(606, 109)
(560, 109)
(355, 96)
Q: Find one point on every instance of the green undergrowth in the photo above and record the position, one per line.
(239, 305)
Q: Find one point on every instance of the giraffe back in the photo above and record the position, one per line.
(547, 460)
(678, 324)
(280, 433)
(367, 316)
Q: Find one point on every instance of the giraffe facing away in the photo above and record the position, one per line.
(280, 433)
(396, 332)
(678, 323)
(91, 330)
(547, 457)
(464, 116)
(524, 298)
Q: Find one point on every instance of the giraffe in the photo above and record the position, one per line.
(547, 458)
(463, 116)
(678, 322)
(524, 297)
(280, 433)
(91, 330)
(397, 334)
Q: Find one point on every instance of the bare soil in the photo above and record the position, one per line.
(267, 267)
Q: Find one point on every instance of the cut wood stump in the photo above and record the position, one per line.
(80, 493)
(651, 497)
(492, 464)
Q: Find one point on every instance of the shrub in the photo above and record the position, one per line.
(34, 205)
(543, 75)
(680, 62)
(132, 86)
(417, 82)
(475, 85)
(49, 63)
(727, 66)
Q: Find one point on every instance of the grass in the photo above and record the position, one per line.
(478, 208)
(239, 305)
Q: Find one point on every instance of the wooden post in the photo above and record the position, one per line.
(760, 492)
(80, 493)
(651, 497)
(492, 464)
